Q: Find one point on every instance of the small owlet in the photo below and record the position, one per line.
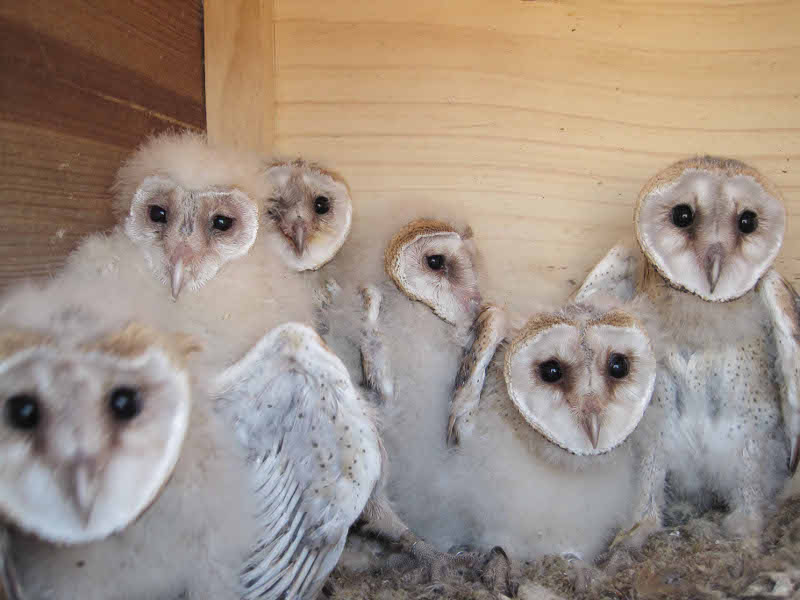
(99, 436)
(727, 391)
(308, 213)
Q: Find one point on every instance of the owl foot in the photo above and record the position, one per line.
(580, 573)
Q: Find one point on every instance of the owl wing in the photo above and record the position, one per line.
(487, 333)
(288, 399)
(783, 305)
(615, 275)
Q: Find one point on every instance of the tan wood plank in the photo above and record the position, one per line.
(539, 121)
(240, 95)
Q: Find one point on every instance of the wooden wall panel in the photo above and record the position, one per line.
(539, 120)
(240, 91)
(82, 84)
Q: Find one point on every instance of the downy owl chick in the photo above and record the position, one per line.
(277, 458)
(189, 225)
(401, 324)
(727, 396)
(99, 437)
(545, 451)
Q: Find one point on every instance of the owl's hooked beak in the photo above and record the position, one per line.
(178, 262)
(591, 425)
(84, 480)
(177, 278)
(298, 237)
(715, 257)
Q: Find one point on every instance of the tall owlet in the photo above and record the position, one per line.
(112, 483)
(400, 321)
(727, 391)
(191, 228)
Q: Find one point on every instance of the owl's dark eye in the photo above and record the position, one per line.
(618, 366)
(550, 371)
(435, 261)
(125, 403)
(682, 215)
(321, 205)
(22, 411)
(748, 221)
(221, 222)
(158, 214)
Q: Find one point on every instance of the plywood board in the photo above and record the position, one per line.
(538, 120)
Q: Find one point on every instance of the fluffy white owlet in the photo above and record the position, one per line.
(191, 227)
(406, 348)
(112, 484)
(726, 396)
(549, 434)
(279, 458)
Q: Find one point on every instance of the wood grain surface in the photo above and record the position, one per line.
(540, 120)
(240, 90)
(83, 83)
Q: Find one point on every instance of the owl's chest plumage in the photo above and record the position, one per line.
(717, 395)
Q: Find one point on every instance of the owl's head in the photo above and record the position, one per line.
(90, 430)
(311, 213)
(580, 377)
(431, 262)
(710, 226)
(191, 208)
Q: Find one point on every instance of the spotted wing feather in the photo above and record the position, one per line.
(615, 275)
(488, 332)
(783, 305)
(292, 414)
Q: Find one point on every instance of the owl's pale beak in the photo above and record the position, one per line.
(592, 427)
(85, 485)
(298, 237)
(715, 257)
(177, 278)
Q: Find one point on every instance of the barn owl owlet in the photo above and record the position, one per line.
(710, 229)
(99, 437)
(548, 435)
(309, 213)
(190, 207)
(190, 226)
